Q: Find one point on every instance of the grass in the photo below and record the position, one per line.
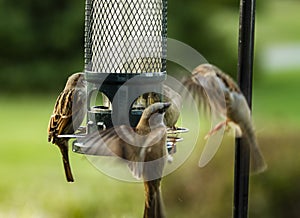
(33, 183)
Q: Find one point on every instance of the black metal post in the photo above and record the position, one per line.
(245, 69)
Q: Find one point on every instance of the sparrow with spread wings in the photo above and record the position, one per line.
(142, 147)
(218, 92)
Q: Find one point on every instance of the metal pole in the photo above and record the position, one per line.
(245, 68)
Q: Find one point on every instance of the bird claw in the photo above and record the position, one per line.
(81, 130)
(170, 158)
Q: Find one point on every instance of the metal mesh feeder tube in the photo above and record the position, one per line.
(125, 36)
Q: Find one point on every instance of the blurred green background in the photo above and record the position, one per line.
(41, 43)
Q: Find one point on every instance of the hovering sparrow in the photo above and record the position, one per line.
(218, 91)
(143, 148)
(68, 114)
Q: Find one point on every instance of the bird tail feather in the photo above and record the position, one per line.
(154, 207)
(66, 163)
(258, 164)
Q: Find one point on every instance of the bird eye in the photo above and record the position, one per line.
(161, 111)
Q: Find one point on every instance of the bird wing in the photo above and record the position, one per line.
(156, 137)
(116, 141)
(68, 113)
(208, 91)
(124, 142)
(172, 96)
(103, 143)
(60, 117)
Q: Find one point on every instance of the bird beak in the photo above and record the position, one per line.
(165, 107)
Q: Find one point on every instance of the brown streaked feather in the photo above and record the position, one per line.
(207, 91)
(68, 113)
(227, 80)
(120, 141)
(104, 143)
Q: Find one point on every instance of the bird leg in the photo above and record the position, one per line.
(217, 128)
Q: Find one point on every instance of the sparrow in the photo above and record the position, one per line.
(142, 147)
(218, 92)
(169, 95)
(149, 64)
(68, 113)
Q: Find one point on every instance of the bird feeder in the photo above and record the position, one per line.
(125, 60)
(125, 57)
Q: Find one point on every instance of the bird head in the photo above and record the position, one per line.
(158, 107)
(153, 115)
(204, 70)
(76, 80)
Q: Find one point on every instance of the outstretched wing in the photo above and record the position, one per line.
(122, 141)
(106, 142)
(208, 91)
(116, 141)
(207, 87)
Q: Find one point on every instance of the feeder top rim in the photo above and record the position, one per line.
(142, 73)
(123, 77)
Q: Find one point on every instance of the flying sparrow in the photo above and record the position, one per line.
(68, 114)
(142, 147)
(218, 92)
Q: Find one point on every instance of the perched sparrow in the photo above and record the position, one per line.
(143, 148)
(172, 114)
(217, 90)
(153, 64)
(68, 114)
(169, 95)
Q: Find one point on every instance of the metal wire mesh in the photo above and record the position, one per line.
(125, 36)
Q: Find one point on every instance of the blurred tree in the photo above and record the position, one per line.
(191, 22)
(42, 41)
